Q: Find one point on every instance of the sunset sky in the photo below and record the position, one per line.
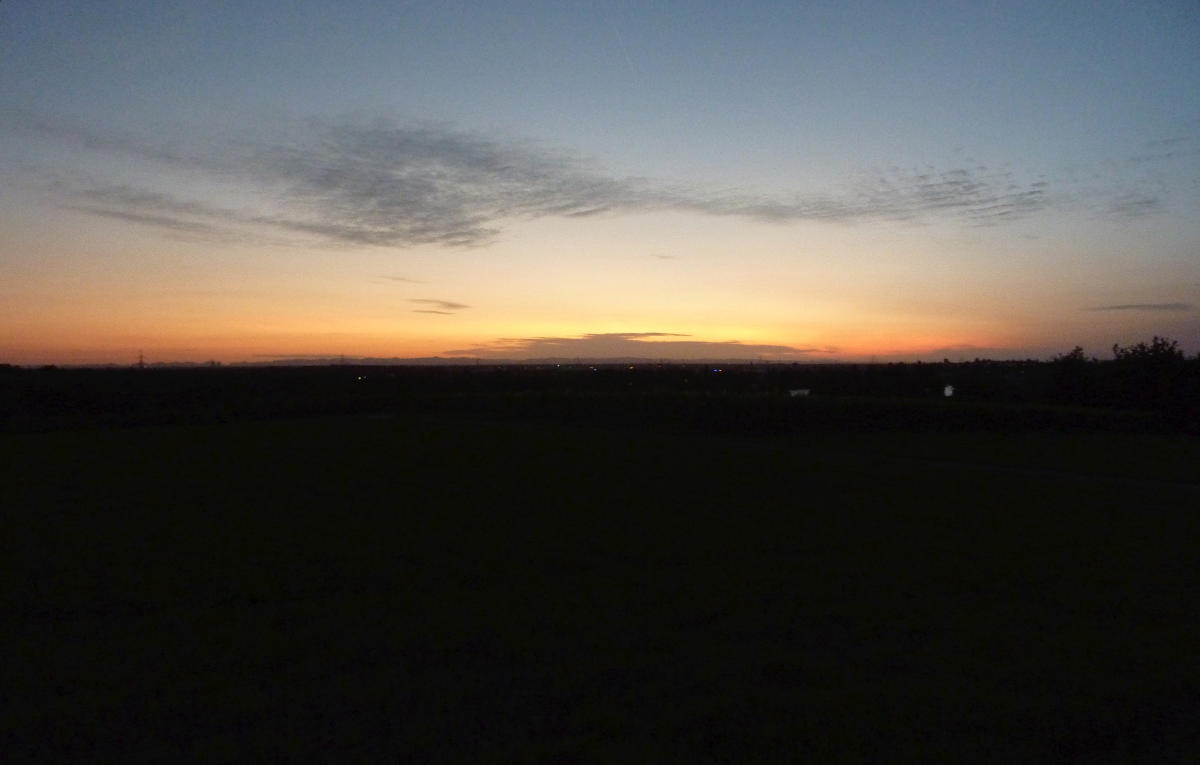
(791, 181)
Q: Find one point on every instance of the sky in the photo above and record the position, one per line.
(791, 181)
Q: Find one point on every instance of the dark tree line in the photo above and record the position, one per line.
(1152, 380)
(1154, 375)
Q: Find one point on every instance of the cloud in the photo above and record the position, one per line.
(171, 223)
(974, 196)
(1170, 149)
(417, 185)
(164, 211)
(1144, 307)
(438, 306)
(645, 345)
(1143, 183)
(395, 185)
(1129, 206)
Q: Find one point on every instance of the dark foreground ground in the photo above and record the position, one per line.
(431, 588)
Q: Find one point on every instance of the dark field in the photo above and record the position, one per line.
(417, 587)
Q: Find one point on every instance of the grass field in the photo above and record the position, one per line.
(422, 589)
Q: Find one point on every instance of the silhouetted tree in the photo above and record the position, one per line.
(1150, 374)
(1072, 379)
(1159, 352)
(1075, 356)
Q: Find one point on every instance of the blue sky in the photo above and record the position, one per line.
(793, 180)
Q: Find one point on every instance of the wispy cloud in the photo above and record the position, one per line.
(1129, 206)
(1144, 183)
(1170, 149)
(165, 211)
(445, 307)
(403, 185)
(972, 195)
(1144, 307)
(171, 223)
(646, 345)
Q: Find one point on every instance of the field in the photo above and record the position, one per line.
(425, 588)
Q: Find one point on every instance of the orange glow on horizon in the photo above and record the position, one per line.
(230, 347)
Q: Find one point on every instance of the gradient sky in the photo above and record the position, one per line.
(788, 181)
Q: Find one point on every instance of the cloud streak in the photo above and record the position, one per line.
(444, 307)
(974, 196)
(643, 345)
(400, 186)
(1144, 307)
(1130, 206)
(172, 223)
